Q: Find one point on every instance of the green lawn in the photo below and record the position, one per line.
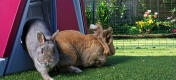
(127, 64)
(146, 43)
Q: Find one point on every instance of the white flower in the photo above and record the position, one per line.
(149, 11)
(174, 20)
(169, 17)
(149, 16)
(156, 13)
(145, 15)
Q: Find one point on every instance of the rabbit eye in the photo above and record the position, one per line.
(54, 51)
(42, 51)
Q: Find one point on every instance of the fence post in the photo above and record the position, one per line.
(93, 11)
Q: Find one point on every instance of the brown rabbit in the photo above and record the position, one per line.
(77, 49)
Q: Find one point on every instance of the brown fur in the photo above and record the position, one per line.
(77, 49)
(105, 37)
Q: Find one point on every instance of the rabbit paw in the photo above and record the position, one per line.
(49, 78)
(75, 69)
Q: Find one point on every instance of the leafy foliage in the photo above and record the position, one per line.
(103, 12)
(88, 12)
(148, 22)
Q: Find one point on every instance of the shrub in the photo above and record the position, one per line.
(88, 12)
(148, 22)
(103, 13)
(133, 30)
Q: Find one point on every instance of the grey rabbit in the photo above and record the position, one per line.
(41, 47)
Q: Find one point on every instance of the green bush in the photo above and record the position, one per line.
(162, 27)
(133, 30)
(88, 12)
(103, 13)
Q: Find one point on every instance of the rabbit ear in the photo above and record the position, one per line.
(54, 35)
(98, 30)
(41, 38)
(107, 35)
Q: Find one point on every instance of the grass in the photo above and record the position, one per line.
(146, 52)
(127, 64)
(146, 43)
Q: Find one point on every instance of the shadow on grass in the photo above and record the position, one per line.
(128, 64)
(113, 60)
(143, 67)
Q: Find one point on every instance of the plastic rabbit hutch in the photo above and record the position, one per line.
(58, 14)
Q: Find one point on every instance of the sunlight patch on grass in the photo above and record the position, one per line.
(145, 43)
(146, 52)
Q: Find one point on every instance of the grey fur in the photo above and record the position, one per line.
(41, 47)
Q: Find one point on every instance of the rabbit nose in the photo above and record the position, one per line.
(51, 60)
(46, 61)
